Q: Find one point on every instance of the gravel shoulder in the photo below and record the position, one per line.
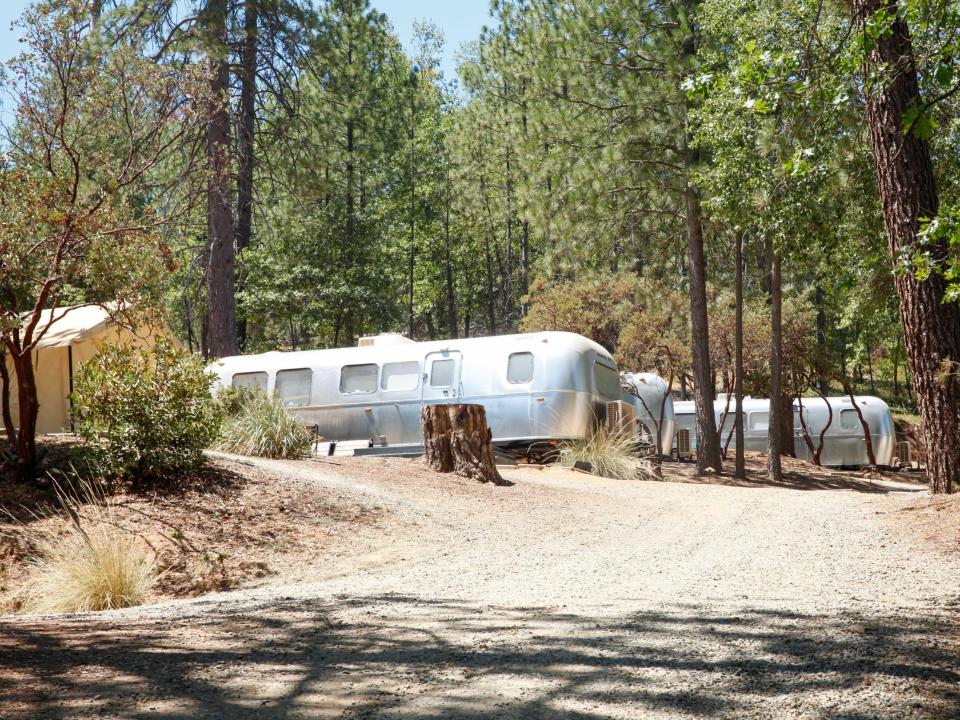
(562, 596)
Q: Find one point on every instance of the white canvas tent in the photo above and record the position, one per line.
(77, 334)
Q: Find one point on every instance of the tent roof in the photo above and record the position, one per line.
(71, 324)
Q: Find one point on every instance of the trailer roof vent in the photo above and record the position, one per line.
(383, 339)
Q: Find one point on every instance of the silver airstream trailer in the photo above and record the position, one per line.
(652, 404)
(534, 387)
(843, 443)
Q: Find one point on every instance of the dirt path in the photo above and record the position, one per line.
(563, 596)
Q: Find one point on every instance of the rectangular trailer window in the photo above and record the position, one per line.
(797, 425)
(607, 381)
(250, 380)
(520, 367)
(849, 420)
(355, 379)
(760, 421)
(728, 423)
(441, 373)
(400, 376)
(293, 386)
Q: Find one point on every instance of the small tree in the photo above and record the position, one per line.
(146, 414)
(596, 307)
(80, 202)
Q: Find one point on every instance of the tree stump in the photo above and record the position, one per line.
(456, 439)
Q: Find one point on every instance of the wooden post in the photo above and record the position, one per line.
(456, 439)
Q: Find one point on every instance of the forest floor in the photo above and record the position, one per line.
(232, 525)
(563, 596)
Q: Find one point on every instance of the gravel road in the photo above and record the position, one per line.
(563, 596)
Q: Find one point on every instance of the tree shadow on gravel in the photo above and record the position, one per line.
(395, 656)
(799, 475)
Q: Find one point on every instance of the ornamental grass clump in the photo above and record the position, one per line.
(85, 565)
(261, 425)
(609, 453)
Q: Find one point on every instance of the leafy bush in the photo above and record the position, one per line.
(262, 426)
(84, 569)
(146, 414)
(233, 398)
(610, 454)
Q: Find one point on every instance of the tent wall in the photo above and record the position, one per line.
(50, 367)
(53, 373)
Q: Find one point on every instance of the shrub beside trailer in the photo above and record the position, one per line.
(534, 387)
(844, 443)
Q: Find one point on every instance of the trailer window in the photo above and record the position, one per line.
(760, 421)
(400, 376)
(849, 420)
(358, 379)
(520, 367)
(607, 381)
(797, 412)
(293, 386)
(250, 380)
(728, 424)
(441, 373)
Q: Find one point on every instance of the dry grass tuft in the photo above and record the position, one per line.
(611, 454)
(84, 567)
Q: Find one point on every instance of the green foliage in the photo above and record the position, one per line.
(147, 414)
(261, 426)
(233, 398)
(596, 308)
(943, 229)
(79, 188)
(568, 152)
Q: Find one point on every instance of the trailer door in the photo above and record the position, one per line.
(441, 377)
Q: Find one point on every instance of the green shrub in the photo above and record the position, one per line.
(233, 398)
(610, 454)
(147, 414)
(262, 426)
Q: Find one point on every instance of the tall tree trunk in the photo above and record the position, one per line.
(896, 371)
(708, 436)
(8, 426)
(775, 429)
(221, 268)
(28, 410)
(248, 95)
(491, 301)
(708, 439)
(351, 209)
(448, 267)
(740, 470)
(908, 192)
(506, 273)
(524, 264)
(413, 210)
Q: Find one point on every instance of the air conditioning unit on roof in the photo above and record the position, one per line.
(383, 339)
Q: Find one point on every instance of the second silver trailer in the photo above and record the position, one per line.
(844, 441)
